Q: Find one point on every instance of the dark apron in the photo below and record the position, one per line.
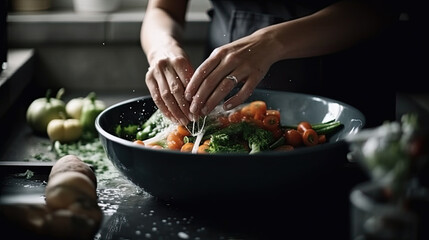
(354, 76)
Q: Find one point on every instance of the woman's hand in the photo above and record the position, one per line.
(170, 70)
(167, 77)
(244, 61)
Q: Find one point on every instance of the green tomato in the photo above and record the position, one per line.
(64, 130)
(42, 110)
(90, 111)
(74, 107)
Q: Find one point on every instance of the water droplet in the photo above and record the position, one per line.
(183, 235)
(154, 229)
(138, 232)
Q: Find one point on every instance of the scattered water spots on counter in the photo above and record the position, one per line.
(183, 235)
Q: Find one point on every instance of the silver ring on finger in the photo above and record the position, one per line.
(233, 78)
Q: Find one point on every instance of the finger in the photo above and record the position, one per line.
(242, 95)
(183, 69)
(210, 85)
(222, 90)
(166, 82)
(200, 75)
(179, 107)
(152, 85)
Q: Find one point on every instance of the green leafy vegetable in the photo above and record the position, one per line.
(235, 137)
(154, 125)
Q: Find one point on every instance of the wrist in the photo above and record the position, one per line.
(273, 45)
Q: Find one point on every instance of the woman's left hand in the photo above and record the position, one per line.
(244, 62)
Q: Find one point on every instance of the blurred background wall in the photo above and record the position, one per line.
(94, 50)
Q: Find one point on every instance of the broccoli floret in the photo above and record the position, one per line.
(231, 138)
(259, 139)
(224, 143)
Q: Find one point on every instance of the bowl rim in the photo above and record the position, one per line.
(312, 149)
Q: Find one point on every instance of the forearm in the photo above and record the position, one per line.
(161, 29)
(332, 29)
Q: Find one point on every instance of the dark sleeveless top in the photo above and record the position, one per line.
(354, 76)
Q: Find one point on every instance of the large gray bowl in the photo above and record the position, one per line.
(172, 175)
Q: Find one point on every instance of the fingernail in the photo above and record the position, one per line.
(191, 116)
(193, 108)
(228, 107)
(188, 96)
(204, 110)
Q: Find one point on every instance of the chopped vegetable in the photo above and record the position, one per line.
(310, 137)
(154, 125)
(187, 147)
(64, 130)
(42, 110)
(74, 107)
(259, 139)
(128, 132)
(293, 137)
(251, 128)
(90, 111)
(224, 143)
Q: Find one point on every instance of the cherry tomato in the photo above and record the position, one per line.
(139, 142)
(247, 111)
(310, 137)
(183, 131)
(271, 122)
(187, 147)
(259, 109)
(235, 117)
(285, 147)
(293, 138)
(322, 138)
(302, 126)
(175, 141)
(203, 149)
(274, 112)
(224, 122)
(155, 146)
(277, 133)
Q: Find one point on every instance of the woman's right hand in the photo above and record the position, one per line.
(168, 75)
